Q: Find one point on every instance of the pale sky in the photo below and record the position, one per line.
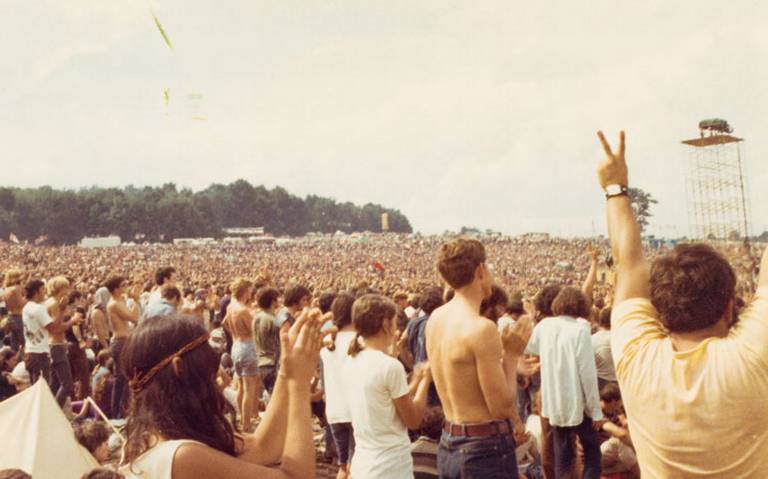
(475, 113)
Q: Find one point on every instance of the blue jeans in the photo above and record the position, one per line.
(486, 457)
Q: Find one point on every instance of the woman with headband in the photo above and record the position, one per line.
(179, 424)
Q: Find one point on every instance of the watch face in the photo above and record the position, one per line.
(613, 189)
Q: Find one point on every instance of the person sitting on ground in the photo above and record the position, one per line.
(618, 455)
(424, 448)
(381, 402)
(692, 374)
(179, 426)
(94, 436)
(102, 473)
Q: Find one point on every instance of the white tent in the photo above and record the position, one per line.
(39, 439)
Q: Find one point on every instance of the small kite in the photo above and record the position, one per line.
(162, 32)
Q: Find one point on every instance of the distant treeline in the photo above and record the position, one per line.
(165, 212)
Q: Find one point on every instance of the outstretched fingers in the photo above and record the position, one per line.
(621, 143)
(606, 146)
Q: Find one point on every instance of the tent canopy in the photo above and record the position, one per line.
(41, 440)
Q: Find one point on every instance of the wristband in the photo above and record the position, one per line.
(616, 190)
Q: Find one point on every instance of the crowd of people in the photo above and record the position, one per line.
(414, 356)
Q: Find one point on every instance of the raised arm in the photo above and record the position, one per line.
(268, 443)
(589, 283)
(631, 268)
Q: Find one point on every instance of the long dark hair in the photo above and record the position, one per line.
(178, 402)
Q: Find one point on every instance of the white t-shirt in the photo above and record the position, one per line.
(35, 317)
(336, 407)
(373, 380)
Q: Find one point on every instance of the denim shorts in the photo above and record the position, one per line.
(344, 439)
(484, 457)
(244, 357)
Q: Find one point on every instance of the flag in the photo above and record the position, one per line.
(378, 266)
(13, 238)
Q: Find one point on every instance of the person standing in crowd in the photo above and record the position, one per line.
(692, 373)
(179, 427)
(120, 317)
(37, 325)
(165, 276)
(601, 345)
(239, 323)
(334, 358)
(62, 384)
(98, 317)
(170, 298)
(569, 395)
(431, 299)
(14, 302)
(296, 298)
(475, 370)
(267, 336)
(381, 402)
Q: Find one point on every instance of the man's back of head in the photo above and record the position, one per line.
(458, 260)
(691, 287)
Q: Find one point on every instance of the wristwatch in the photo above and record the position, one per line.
(616, 190)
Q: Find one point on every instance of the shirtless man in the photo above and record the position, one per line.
(120, 316)
(475, 370)
(98, 317)
(15, 301)
(62, 384)
(239, 323)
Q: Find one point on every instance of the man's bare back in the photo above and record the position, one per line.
(452, 333)
(239, 321)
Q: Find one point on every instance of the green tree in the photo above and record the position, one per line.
(641, 205)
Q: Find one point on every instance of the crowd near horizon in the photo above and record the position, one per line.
(398, 355)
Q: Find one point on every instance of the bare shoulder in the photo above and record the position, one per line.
(481, 330)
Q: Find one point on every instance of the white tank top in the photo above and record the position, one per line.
(156, 463)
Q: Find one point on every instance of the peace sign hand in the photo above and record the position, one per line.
(613, 170)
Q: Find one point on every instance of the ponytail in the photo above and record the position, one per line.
(354, 346)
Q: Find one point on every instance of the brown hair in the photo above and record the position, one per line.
(570, 301)
(604, 318)
(113, 283)
(239, 287)
(102, 473)
(266, 297)
(691, 287)
(182, 400)
(369, 312)
(544, 298)
(170, 292)
(14, 474)
(92, 434)
(458, 260)
(342, 309)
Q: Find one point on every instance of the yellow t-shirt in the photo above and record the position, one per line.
(698, 413)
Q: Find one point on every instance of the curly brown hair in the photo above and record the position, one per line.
(178, 402)
(691, 287)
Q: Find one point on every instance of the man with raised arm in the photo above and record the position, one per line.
(693, 377)
(120, 316)
(475, 371)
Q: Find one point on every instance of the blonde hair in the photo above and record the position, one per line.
(239, 287)
(13, 277)
(56, 285)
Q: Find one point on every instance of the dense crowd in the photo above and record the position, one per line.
(410, 356)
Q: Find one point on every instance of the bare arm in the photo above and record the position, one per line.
(127, 314)
(589, 283)
(631, 268)
(412, 406)
(286, 431)
(496, 372)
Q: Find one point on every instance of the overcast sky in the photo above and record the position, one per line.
(457, 113)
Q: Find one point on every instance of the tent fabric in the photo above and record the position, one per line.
(38, 438)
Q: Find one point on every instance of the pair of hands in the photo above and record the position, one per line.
(300, 347)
